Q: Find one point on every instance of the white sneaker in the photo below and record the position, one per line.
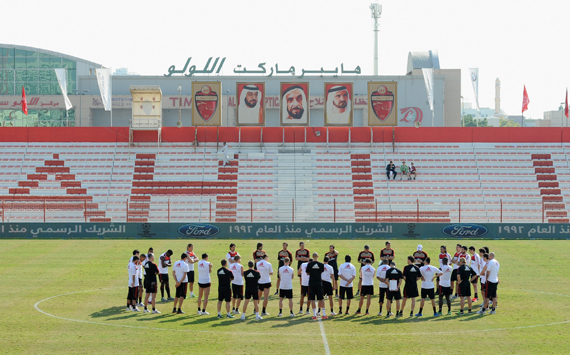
(199, 313)
(379, 314)
(237, 311)
(280, 315)
(492, 312)
(481, 311)
(146, 311)
(242, 317)
(129, 309)
(264, 313)
(140, 304)
(155, 312)
(204, 313)
(300, 312)
(307, 312)
(333, 314)
(136, 309)
(291, 315)
(258, 317)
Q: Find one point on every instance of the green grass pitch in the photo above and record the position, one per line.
(533, 315)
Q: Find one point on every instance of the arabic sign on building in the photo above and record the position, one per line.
(217, 65)
(286, 231)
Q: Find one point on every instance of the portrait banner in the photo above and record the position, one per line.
(206, 106)
(294, 104)
(383, 103)
(338, 104)
(250, 104)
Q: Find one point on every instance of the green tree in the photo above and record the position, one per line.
(508, 123)
(469, 121)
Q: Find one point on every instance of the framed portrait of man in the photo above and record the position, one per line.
(338, 104)
(383, 103)
(294, 104)
(250, 104)
(206, 103)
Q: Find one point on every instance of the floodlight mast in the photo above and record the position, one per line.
(376, 10)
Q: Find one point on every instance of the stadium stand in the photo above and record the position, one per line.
(340, 177)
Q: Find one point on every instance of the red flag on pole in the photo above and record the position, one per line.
(566, 106)
(526, 100)
(24, 102)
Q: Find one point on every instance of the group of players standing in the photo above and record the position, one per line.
(318, 280)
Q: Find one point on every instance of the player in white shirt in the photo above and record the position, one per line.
(383, 266)
(237, 284)
(329, 283)
(133, 284)
(444, 287)
(232, 254)
(286, 275)
(484, 259)
(304, 286)
(142, 260)
(347, 274)
(265, 270)
(367, 289)
(163, 263)
(204, 283)
(180, 276)
(474, 263)
(429, 273)
(492, 278)
(192, 259)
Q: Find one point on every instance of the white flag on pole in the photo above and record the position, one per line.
(62, 80)
(474, 74)
(104, 81)
(428, 80)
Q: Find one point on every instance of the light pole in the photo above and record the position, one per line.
(179, 124)
(83, 92)
(376, 10)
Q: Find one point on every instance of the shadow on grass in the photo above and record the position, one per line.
(111, 311)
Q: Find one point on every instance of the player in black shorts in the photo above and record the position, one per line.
(284, 253)
(465, 275)
(302, 256)
(314, 270)
(151, 270)
(251, 278)
(332, 254)
(394, 279)
(225, 278)
(411, 275)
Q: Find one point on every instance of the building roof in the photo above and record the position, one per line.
(57, 54)
(419, 60)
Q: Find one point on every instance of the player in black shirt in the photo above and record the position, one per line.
(314, 270)
(393, 275)
(411, 275)
(258, 254)
(251, 278)
(465, 275)
(332, 254)
(151, 270)
(225, 278)
(284, 253)
(302, 256)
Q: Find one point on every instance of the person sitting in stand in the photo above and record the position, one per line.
(404, 169)
(412, 172)
(391, 170)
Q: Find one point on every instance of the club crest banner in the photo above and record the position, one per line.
(383, 103)
(206, 106)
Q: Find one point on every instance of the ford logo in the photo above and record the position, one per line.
(198, 230)
(465, 230)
